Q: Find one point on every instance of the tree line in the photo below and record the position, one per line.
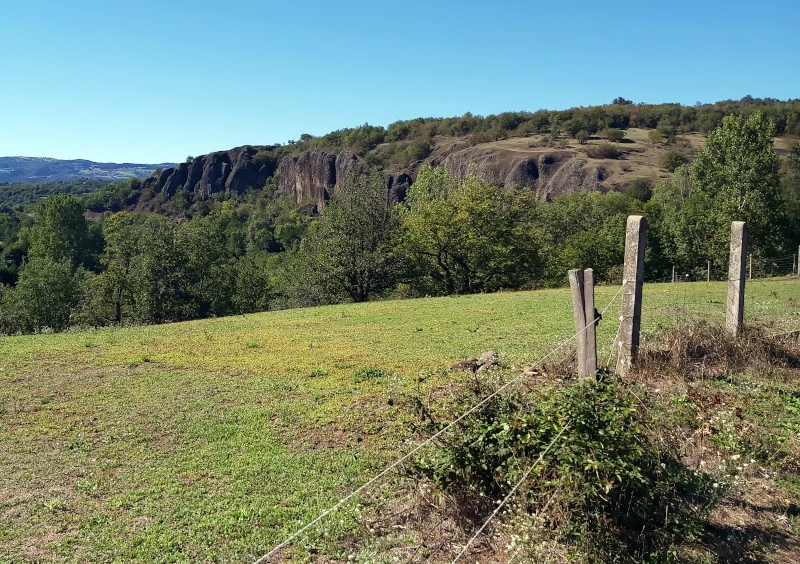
(71, 267)
(669, 120)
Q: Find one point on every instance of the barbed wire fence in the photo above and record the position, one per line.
(562, 352)
(674, 300)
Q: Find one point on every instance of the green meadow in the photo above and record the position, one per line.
(213, 440)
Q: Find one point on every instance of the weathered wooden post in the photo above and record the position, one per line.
(590, 362)
(736, 278)
(632, 281)
(579, 315)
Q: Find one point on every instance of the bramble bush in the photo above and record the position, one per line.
(623, 494)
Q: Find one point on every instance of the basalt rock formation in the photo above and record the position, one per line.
(231, 172)
(316, 175)
(546, 172)
(313, 176)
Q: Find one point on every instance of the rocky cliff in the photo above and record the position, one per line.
(231, 172)
(313, 176)
(547, 172)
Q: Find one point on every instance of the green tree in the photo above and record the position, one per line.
(614, 135)
(157, 274)
(60, 231)
(253, 291)
(672, 160)
(738, 172)
(349, 252)
(210, 267)
(45, 294)
(468, 236)
(122, 233)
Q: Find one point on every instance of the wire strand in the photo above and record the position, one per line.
(429, 440)
(511, 493)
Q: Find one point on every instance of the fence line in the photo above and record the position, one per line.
(426, 442)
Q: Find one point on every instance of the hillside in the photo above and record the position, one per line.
(213, 440)
(44, 170)
(597, 148)
(312, 175)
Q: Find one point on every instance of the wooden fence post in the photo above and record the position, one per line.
(736, 278)
(708, 274)
(579, 315)
(590, 361)
(632, 281)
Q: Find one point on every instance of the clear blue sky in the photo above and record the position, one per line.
(155, 81)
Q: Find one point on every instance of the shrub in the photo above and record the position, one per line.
(614, 135)
(615, 493)
(582, 136)
(672, 160)
(369, 373)
(654, 136)
(640, 189)
(603, 151)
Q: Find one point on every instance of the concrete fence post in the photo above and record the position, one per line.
(632, 281)
(736, 278)
(708, 273)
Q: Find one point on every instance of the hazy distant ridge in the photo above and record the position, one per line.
(44, 169)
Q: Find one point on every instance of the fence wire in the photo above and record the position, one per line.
(772, 294)
(551, 356)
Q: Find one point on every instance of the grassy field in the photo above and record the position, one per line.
(212, 440)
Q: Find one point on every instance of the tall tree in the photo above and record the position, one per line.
(158, 275)
(349, 252)
(738, 172)
(60, 231)
(469, 236)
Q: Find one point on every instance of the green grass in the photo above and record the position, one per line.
(214, 439)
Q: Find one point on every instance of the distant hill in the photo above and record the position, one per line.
(44, 170)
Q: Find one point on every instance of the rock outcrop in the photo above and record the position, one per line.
(231, 172)
(506, 169)
(546, 172)
(316, 175)
(312, 177)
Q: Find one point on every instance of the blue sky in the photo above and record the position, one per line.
(155, 81)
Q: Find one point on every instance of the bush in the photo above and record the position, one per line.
(603, 151)
(582, 136)
(640, 189)
(369, 373)
(672, 160)
(614, 493)
(614, 135)
(43, 298)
